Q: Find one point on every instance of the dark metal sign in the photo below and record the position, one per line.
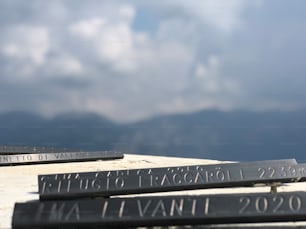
(107, 183)
(40, 158)
(9, 150)
(301, 168)
(164, 210)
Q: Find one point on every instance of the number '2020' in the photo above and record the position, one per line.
(273, 204)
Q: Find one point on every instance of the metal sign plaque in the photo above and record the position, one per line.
(161, 211)
(301, 168)
(9, 150)
(118, 182)
(56, 157)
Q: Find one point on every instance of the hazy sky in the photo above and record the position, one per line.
(130, 60)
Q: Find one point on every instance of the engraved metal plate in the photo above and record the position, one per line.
(162, 210)
(9, 150)
(118, 182)
(56, 157)
(301, 169)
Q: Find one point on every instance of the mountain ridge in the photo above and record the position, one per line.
(236, 135)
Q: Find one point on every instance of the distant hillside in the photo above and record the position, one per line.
(208, 134)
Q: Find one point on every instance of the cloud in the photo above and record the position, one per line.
(72, 56)
(26, 47)
(223, 15)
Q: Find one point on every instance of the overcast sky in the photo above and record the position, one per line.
(131, 60)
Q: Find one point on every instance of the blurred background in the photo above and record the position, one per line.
(206, 79)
